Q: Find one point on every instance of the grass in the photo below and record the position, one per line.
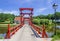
(57, 36)
(4, 27)
(5, 22)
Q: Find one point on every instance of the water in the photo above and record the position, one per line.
(2, 36)
(50, 34)
(58, 27)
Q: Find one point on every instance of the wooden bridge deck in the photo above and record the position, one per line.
(25, 34)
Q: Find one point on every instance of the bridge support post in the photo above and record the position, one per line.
(44, 32)
(31, 17)
(8, 32)
(21, 18)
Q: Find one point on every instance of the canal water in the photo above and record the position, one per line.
(2, 36)
(58, 27)
(50, 34)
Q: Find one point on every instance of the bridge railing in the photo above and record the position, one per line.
(38, 29)
(12, 30)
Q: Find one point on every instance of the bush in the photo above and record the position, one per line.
(44, 21)
(56, 37)
(6, 22)
(36, 21)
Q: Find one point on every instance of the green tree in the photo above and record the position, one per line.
(2, 17)
(5, 17)
(57, 15)
(49, 16)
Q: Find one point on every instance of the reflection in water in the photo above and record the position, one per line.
(58, 27)
(2, 35)
(50, 34)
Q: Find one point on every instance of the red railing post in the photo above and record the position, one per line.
(44, 32)
(8, 32)
(38, 29)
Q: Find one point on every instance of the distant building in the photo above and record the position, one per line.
(17, 20)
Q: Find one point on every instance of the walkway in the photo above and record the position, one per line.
(25, 34)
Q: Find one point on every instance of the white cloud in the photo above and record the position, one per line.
(41, 10)
(11, 12)
(49, 1)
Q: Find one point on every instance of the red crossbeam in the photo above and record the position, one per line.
(21, 9)
(44, 32)
(11, 30)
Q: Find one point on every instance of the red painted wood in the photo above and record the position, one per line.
(44, 32)
(26, 9)
(38, 30)
(12, 30)
(22, 14)
(8, 32)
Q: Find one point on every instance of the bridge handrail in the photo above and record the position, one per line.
(12, 30)
(38, 30)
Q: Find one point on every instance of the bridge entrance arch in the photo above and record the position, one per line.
(22, 14)
(12, 30)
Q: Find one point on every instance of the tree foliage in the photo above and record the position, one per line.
(57, 15)
(49, 16)
(6, 17)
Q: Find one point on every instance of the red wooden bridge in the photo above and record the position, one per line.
(26, 30)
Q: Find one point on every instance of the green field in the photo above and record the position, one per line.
(4, 27)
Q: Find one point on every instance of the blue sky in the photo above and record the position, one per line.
(40, 6)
